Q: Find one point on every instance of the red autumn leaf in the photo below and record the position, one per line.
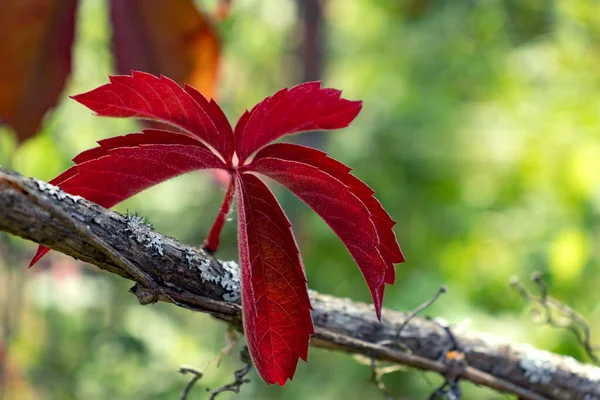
(145, 96)
(36, 38)
(388, 246)
(277, 318)
(125, 165)
(170, 37)
(275, 300)
(343, 211)
(302, 108)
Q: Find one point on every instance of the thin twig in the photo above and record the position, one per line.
(231, 339)
(448, 390)
(239, 375)
(412, 360)
(197, 375)
(571, 319)
(378, 372)
(455, 360)
(443, 289)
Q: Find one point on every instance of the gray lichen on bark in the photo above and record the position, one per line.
(55, 191)
(139, 230)
(227, 276)
(537, 368)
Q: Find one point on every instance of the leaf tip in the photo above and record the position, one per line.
(282, 381)
(356, 106)
(134, 73)
(77, 97)
(378, 300)
(41, 252)
(84, 99)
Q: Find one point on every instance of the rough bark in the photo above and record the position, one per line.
(166, 270)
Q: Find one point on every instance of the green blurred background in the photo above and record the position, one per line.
(480, 133)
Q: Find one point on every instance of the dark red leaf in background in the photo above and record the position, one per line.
(36, 36)
(172, 38)
(35, 43)
(276, 306)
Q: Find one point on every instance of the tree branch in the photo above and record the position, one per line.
(166, 270)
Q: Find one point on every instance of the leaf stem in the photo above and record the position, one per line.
(211, 244)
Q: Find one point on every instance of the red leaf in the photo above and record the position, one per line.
(142, 95)
(276, 310)
(388, 246)
(276, 306)
(36, 39)
(340, 208)
(302, 108)
(125, 165)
